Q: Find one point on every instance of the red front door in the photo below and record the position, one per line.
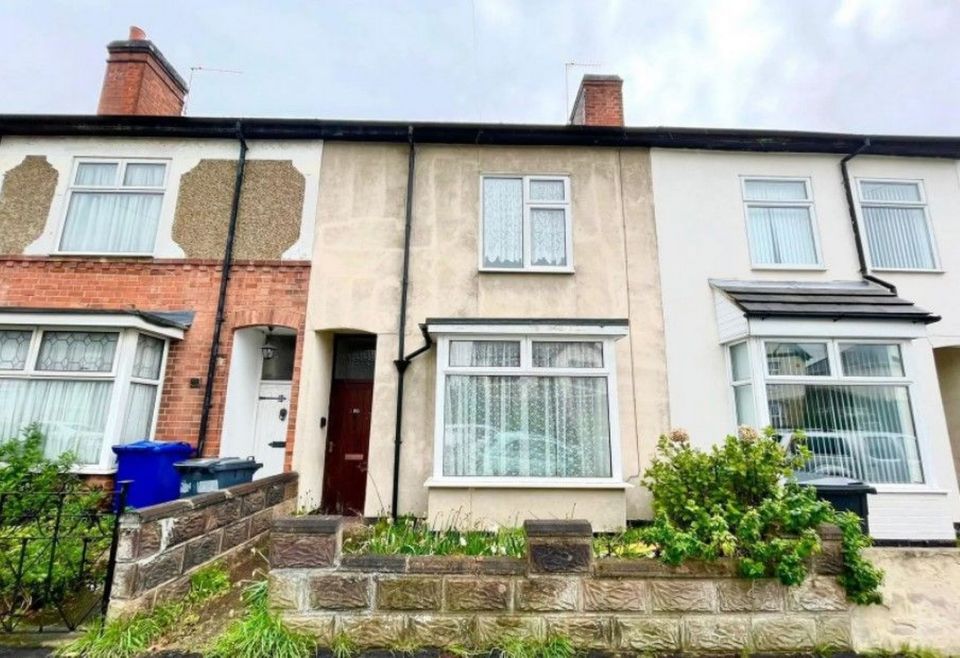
(348, 436)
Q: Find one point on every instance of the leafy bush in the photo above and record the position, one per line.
(740, 500)
(410, 536)
(39, 496)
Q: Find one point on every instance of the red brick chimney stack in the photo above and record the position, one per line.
(140, 80)
(599, 102)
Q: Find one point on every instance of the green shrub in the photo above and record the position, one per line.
(411, 536)
(740, 500)
(32, 488)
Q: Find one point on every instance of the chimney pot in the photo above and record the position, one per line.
(599, 102)
(140, 80)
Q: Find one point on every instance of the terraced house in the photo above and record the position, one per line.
(480, 323)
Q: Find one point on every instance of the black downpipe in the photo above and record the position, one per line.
(222, 298)
(403, 360)
(852, 209)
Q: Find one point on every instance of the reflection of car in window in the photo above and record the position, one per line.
(885, 457)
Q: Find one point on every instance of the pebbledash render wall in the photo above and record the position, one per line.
(611, 604)
(355, 287)
(272, 251)
(163, 545)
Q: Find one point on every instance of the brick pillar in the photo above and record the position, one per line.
(564, 546)
(599, 102)
(140, 80)
(306, 542)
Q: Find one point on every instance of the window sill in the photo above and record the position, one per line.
(95, 254)
(94, 470)
(788, 268)
(894, 270)
(909, 489)
(523, 483)
(526, 270)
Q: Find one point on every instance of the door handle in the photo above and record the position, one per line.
(283, 414)
(277, 444)
(278, 398)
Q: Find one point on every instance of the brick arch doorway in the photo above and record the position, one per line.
(258, 400)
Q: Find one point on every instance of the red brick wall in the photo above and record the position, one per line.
(599, 102)
(136, 84)
(260, 293)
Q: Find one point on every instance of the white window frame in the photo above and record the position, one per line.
(526, 369)
(116, 188)
(758, 370)
(528, 205)
(921, 204)
(121, 375)
(809, 203)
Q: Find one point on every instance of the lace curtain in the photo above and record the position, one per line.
(548, 236)
(72, 414)
(490, 353)
(526, 426)
(781, 236)
(503, 222)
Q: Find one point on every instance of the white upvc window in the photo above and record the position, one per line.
(526, 410)
(113, 207)
(851, 397)
(525, 224)
(87, 388)
(781, 225)
(897, 226)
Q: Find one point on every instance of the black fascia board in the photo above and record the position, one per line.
(463, 133)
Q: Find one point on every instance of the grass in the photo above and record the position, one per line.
(262, 633)
(126, 637)
(905, 651)
(410, 536)
(343, 646)
(554, 646)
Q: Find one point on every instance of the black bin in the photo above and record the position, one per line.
(845, 494)
(212, 473)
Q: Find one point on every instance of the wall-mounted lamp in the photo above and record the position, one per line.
(269, 350)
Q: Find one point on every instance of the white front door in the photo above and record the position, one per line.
(270, 428)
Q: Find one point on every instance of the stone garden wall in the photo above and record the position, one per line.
(162, 545)
(607, 604)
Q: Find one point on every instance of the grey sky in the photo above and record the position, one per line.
(846, 65)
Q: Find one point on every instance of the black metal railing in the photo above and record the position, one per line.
(58, 551)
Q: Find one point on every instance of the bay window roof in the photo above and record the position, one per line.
(828, 300)
(171, 324)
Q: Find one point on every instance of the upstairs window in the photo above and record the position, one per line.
(526, 223)
(780, 222)
(113, 207)
(897, 225)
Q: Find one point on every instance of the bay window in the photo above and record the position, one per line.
(525, 223)
(86, 388)
(113, 207)
(526, 408)
(851, 398)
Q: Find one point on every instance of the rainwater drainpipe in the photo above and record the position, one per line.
(852, 209)
(222, 298)
(403, 360)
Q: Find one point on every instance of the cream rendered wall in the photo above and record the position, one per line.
(182, 155)
(702, 235)
(356, 274)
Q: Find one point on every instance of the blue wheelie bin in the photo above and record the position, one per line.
(149, 467)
